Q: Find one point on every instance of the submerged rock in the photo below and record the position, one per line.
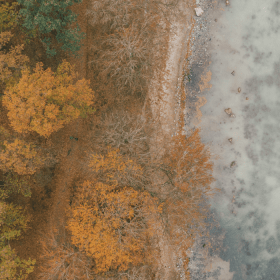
(239, 89)
(233, 164)
(230, 140)
(198, 11)
(227, 2)
(228, 111)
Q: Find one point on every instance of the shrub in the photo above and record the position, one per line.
(123, 131)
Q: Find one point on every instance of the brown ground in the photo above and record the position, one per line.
(50, 198)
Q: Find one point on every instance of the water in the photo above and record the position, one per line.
(246, 39)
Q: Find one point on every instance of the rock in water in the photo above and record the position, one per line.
(228, 111)
(230, 140)
(227, 2)
(239, 89)
(198, 11)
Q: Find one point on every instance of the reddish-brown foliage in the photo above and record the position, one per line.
(189, 169)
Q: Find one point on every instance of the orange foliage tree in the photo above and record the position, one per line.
(45, 101)
(109, 222)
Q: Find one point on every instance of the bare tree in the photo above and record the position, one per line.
(128, 133)
(130, 39)
(63, 261)
(123, 131)
(138, 273)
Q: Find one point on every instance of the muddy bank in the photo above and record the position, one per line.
(204, 263)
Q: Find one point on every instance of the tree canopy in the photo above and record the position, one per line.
(44, 101)
(52, 16)
(109, 224)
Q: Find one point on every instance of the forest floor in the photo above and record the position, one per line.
(51, 198)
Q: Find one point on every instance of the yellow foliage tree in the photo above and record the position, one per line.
(12, 222)
(13, 183)
(10, 20)
(8, 16)
(112, 225)
(13, 59)
(45, 101)
(114, 167)
(18, 161)
(20, 157)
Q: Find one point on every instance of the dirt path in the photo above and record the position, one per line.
(166, 109)
(69, 167)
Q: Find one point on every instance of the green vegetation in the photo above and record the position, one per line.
(12, 222)
(52, 17)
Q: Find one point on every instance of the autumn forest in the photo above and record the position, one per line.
(84, 191)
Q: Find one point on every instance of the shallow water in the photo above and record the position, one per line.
(246, 39)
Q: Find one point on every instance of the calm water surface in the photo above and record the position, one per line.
(246, 40)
